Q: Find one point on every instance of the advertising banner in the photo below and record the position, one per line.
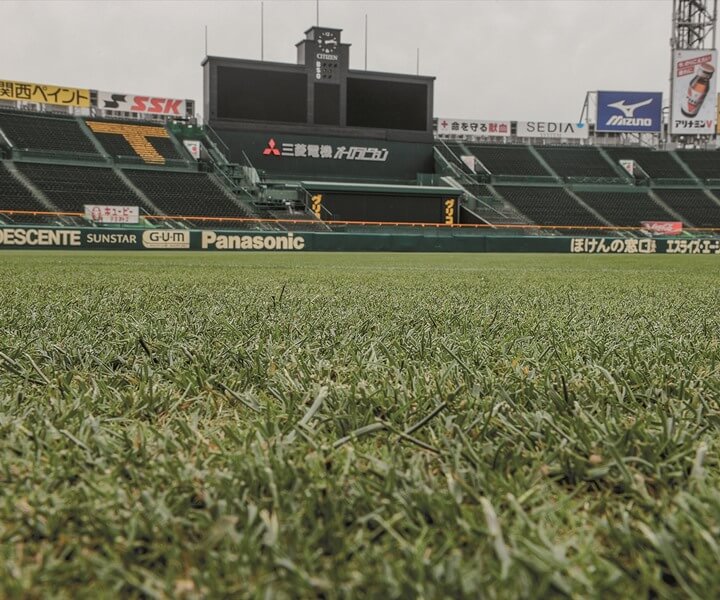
(476, 128)
(193, 147)
(629, 111)
(694, 99)
(628, 165)
(99, 213)
(432, 240)
(663, 227)
(171, 107)
(552, 129)
(44, 94)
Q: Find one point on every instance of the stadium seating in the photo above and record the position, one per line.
(32, 131)
(69, 188)
(182, 193)
(508, 160)
(626, 209)
(694, 206)
(658, 164)
(452, 151)
(577, 162)
(14, 196)
(704, 163)
(151, 143)
(548, 206)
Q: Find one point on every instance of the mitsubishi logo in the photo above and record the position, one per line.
(629, 109)
(271, 149)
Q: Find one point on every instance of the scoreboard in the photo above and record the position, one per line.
(250, 102)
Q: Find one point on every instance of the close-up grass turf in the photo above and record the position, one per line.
(359, 425)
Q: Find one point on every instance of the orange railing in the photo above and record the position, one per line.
(249, 220)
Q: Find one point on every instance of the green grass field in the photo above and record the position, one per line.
(358, 425)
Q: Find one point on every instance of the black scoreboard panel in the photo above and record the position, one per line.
(318, 117)
(261, 95)
(388, 208)
(384, 104)
(327, 104)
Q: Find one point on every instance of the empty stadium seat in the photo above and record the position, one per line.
(658, 164)
(704, 163)
(151, 143)
(452, 151)
(694, 206)
(548, 206)
(32, 131)
(189, 194)
(577, 161)
(508, 160)
(70, 187)
(626, 209)
(14, 196)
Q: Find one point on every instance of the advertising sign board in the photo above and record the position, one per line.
(629, 111)
(694, 100)
(447, 126)
(99, 213)
(171, 107)
(552, 129)
(44, 94)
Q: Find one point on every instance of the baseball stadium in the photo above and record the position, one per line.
(306, 337)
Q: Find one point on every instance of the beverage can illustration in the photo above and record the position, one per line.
(698, 89)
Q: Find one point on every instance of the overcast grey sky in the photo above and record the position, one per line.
(493, 59)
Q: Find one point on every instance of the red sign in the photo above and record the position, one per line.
(663, 227)
(271, 149)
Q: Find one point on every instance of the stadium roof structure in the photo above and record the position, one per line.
(419, 190)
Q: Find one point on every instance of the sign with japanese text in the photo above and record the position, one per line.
(629, 111)
(98, 213)
(142, 104)
(552, 129)
(694, 99)
(475, 128)
(44, 94)
(594, 245)
(324, 151)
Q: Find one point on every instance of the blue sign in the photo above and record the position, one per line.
(629, 111)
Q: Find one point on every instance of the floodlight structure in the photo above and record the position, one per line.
(693, 24)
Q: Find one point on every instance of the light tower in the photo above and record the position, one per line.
(693, 24)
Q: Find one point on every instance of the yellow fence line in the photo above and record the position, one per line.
(371, 223)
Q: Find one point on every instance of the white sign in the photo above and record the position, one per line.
(475, 128)
(694, 100)
(166, 238)
(193, 147)
(469, 161)
(171, 107)
(40, 237)
(218, 241)
(99, 213)
(302, 150)
(552, 129)
(628, 165)
(614, 246)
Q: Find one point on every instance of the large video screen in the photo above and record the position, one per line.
(384, 208)
(261, 95)
(386, 104)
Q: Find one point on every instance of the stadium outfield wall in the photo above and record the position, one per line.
(432, 240)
